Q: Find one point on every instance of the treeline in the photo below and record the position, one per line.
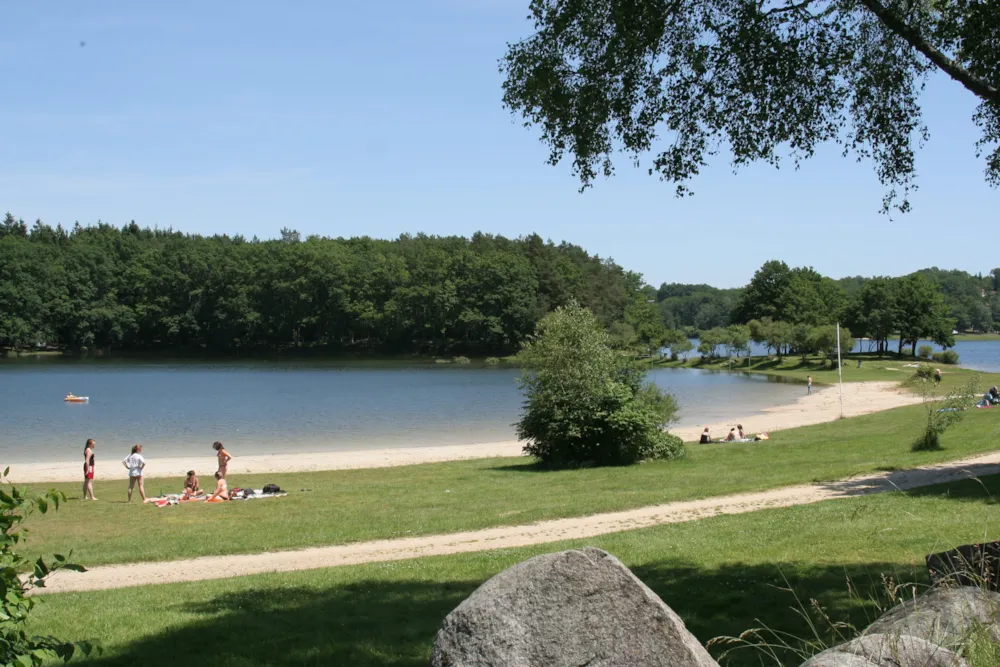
(794, 310)
(971, 300)
(800, 295)
(101, 287)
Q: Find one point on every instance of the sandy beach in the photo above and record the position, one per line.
(822, 405)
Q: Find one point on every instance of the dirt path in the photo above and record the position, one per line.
(822, 405)
(219, 567)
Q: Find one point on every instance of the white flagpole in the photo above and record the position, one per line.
(840, 372)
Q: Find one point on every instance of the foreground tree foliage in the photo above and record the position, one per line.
(142, 289)
(17, 647)
(586, 403)
(755, 77)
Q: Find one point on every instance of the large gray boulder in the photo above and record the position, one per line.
(886, 651)
(944, 616)
(567, 609)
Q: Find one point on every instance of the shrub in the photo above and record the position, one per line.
(492, 361)
(923, 372)
(925, 351)
(946, 357)
(906, 351)
(942, 414)
(17, 647)
(442, 361)
(462, 360)
(585, 403)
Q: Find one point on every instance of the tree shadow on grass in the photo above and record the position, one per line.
(982, 489)
(393, 623)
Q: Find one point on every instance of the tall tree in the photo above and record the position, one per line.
(765, 295)
(921, 313)
(872, 312)
(756, 78)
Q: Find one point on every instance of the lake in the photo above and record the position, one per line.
(178, 408)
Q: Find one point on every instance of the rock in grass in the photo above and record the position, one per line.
(837, 659)
(944, 616)
(887, 651)
(572, 608)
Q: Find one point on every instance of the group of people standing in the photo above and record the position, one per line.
(135, 462)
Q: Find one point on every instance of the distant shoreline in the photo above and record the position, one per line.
(822, 405)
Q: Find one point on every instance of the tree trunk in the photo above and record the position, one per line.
(900, 345)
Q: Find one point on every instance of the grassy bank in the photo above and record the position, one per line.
(722, 575)
(872, 369)
(347, 506)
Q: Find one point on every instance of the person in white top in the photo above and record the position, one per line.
(135, 464)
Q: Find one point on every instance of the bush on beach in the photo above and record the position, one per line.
(587, 403)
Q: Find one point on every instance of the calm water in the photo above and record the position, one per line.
(262, 407)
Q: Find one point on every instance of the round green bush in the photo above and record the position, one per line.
(462, 360)
(925, 351)
(586, 403)
(492, 361)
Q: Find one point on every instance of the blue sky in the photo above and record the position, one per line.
(381, 118)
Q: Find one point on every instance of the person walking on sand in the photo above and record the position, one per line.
(809, 384)
(88, 470)
(135, 462)
(224, 458)
(937, 376)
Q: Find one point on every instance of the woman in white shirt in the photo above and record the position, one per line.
(135, 463)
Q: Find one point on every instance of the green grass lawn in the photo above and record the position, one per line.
(722, 575)
(872, 369)
(346, 506)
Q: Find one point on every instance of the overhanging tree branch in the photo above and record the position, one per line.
(952, 68)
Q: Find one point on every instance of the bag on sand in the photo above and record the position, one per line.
(271, 488)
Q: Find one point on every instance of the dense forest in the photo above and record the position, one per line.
(133, 288)
(971, 300)
(101, 287)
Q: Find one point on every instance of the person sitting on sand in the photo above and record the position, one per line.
(191, 487)
(732, 435)
(705, 437)
(221, 488)
(224, 458)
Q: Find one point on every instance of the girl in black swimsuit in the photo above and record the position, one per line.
(88, 470)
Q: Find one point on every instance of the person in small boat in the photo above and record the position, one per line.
(88, 470)
(705, 437)
(221, 488)
(191, 487)
(224, 458)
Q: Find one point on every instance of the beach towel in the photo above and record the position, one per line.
(257, 494)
